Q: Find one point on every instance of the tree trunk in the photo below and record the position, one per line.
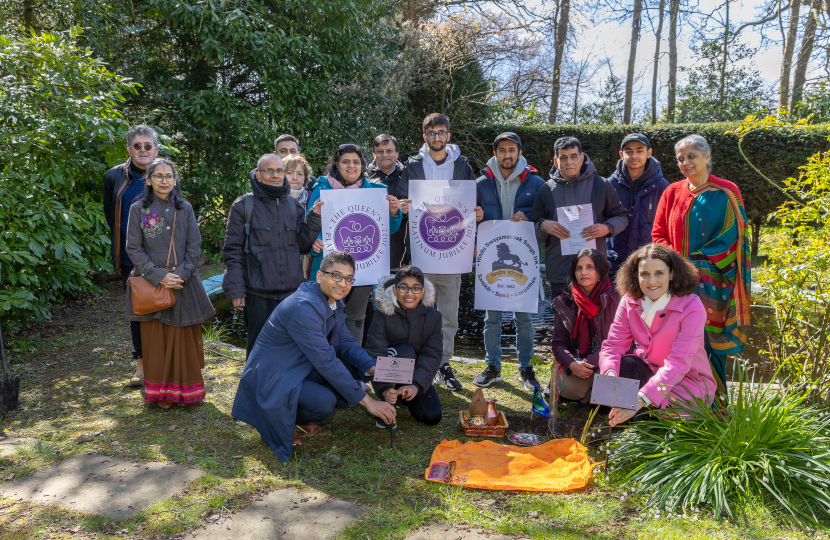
(28, 15)
(755, 241)
(657, 63)
(804, 53)
(576, 96)
(787, 60)
(559, 44)
(632, 57)
(674, 9)
(725, 56)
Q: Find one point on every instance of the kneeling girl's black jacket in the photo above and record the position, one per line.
(420, 327)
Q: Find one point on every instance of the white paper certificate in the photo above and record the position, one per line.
(575, 219)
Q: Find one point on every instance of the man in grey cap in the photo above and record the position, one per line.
(507, 190)
(639, 183)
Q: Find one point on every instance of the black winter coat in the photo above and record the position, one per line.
(420, 327)
(273, 267)
(398, 253)
(115, 182)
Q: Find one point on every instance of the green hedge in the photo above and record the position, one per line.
(777, 153)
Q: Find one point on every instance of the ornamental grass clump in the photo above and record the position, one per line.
(767, 445)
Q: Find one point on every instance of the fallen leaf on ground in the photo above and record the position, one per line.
(82, 439)
(172, 427)
(9, 477)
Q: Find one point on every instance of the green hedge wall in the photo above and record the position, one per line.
(777, 153)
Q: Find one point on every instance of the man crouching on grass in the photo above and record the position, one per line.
(305, 364)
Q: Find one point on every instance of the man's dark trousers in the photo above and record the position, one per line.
(256, 312)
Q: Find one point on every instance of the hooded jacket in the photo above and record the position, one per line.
(640, 198)
(488, 193)
(587, 187)
(302, 335)
(322, 184)
(273, 267)
(563, 344)
(420, 327)
(398, 255)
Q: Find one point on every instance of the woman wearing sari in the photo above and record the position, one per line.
(703, 218)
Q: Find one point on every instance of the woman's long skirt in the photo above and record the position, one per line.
(173, 362)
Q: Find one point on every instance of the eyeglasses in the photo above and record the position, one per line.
(404, 289)
(337, 276)
(272, 172)
(147, 146)
(163, 177)
(440, 134)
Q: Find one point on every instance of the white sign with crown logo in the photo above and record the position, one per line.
(442, 225)
(357, 221)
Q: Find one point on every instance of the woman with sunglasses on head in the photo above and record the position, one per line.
(346, 169)
(171, 339)
(407, 325)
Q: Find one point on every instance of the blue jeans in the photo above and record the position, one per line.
(492, 338)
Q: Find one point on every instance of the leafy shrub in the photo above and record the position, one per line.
(796, 275)
(59, 121)
(768, 445)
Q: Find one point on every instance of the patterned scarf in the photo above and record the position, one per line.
(587, 308)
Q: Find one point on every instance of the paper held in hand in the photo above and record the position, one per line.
(394, 370)
(615, 392)
(575, 219)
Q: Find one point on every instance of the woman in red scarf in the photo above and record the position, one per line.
(584, 314)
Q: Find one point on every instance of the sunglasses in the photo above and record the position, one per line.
(147, 146)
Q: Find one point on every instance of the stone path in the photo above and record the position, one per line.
(9, 445)
(100, 484)
(449, 532)
(289, 514)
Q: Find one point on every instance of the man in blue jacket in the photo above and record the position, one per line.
(305, 363)
(639, 183)
(506, 190)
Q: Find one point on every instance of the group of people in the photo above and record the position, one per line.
(662, 299)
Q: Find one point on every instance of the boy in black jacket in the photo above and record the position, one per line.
(407, 325)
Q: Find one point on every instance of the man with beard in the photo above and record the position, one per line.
(639, 183)
(507, 189)
(386, 168)
(123, 184)
(266, 233)
(573, 181)
(439, 160)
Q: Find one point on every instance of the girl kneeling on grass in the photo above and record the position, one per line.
(407, 325)
(660, 311)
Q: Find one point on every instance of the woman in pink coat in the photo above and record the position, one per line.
(660, 311)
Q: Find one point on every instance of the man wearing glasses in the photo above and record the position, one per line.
(266, 234)
(305, 363)
(122, 185)
(440, 160)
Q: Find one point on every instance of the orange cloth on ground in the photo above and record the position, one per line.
(557, 465)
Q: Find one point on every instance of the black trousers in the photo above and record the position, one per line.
(256, 311)
(425, 408)
(633, 367)
(135, 326)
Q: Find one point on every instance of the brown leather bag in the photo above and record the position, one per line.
(148, 299)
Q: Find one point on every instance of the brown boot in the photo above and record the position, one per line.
(311, 429)
(138, 377)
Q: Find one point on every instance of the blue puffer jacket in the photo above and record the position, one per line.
(323, 183)
(640, 199)
(487, 193)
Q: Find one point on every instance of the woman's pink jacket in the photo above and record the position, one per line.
(673, 348)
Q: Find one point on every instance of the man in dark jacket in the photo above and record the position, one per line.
(386, 168)
(264, 267)
(639, 183)
(407, 325)
(306, 364)
(439, 160)
(573, 181)
(122, 185)
(507, 190)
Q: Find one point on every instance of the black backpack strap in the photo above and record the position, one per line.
(249, 211)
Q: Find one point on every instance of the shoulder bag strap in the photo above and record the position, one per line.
(172, 246)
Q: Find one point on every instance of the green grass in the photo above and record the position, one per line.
(73, 371)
